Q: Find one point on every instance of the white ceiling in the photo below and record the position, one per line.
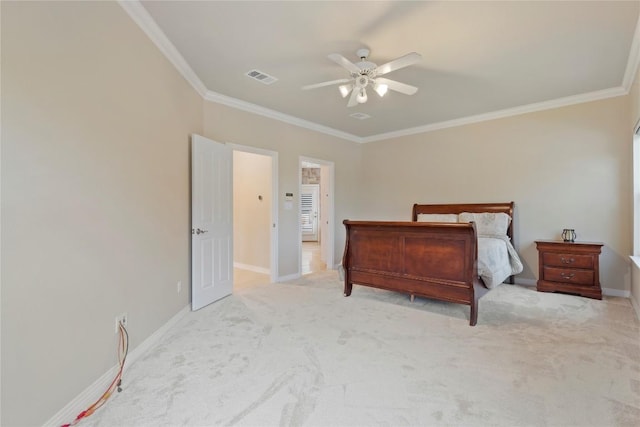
(481, 59)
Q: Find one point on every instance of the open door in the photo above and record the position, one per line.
(211, 221)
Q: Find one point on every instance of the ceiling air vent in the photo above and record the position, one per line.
(261, 77)
(360, 116)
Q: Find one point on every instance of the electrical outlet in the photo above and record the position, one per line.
(179, 286)
(121, 318)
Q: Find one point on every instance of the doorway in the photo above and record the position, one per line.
(316, 215)
(310, 210)
(254, 216)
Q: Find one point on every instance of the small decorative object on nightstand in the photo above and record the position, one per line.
(571, 267)
(569, 235)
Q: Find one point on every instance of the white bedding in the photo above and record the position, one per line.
(497, 260)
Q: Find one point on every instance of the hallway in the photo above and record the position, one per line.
(311, 261)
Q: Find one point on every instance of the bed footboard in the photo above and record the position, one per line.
(432, 260)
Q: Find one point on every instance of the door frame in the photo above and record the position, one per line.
(330, 220)
(274, 205)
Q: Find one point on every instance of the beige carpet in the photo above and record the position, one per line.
(301, 354)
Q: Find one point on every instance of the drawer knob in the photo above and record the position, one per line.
(567, 276)
(566, 261)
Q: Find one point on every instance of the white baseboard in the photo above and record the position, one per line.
(616, 293)
(95, 390)
(253, 268)
(288, 277)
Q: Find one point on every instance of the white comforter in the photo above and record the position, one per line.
(497, 260)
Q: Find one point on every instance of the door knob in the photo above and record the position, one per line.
(199, 231)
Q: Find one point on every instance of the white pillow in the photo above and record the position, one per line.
(488, 223)
(437, 218)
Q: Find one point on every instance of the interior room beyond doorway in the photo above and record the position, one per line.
(311, 260)
(252, 216)
(311, 217)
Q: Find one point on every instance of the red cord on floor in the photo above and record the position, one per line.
(123, 349)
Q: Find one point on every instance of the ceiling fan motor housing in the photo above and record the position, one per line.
(366, 67)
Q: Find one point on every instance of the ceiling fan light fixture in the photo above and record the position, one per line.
(366, 73)
(381, 89)
(362, 96)
(345, 89)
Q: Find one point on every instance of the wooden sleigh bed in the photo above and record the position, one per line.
(436, 260)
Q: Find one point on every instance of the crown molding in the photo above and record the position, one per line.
(530, 108)
(276, 115)
(140, 16)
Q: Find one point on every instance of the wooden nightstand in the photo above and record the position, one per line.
(569, 267)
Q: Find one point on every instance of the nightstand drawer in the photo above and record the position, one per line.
(569, 275)
(567, 260)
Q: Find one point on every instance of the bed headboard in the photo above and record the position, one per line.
(506, 207)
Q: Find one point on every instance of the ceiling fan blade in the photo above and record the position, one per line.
(341, 60)
(353, 101)
(332, 82)
(396, 64)
(397, 86)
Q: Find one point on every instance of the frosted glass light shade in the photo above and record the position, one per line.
(381, 89)
(362, 96)
(344, 90)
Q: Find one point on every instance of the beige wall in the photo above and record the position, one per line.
(252, 215)
(95, 196)
(95, 188)
(225, 124)
(564, 168)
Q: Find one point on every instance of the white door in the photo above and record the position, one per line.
(211, 221)
(309, 212)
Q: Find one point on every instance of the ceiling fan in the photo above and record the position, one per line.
(365, 73)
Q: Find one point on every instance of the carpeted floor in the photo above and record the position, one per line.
(301, 354)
